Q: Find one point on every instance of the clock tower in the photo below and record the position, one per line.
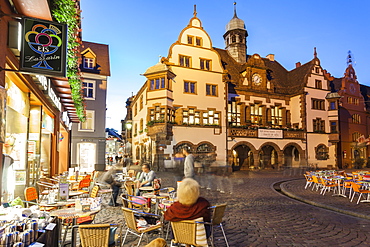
(236, 38)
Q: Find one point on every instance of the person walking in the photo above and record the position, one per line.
(110, 178)
(188, 164)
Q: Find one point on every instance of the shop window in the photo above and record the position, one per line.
(234, 113)
(185, 61)
(86, 156)
(322, 152)
(190, 87)
(356, 118)
(319, 125)
(211, 90)
(88, 63)
(88, 89)
(205, 64)
(318, 104)
(89, 123)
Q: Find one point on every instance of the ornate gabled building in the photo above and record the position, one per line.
(233, 109)
(354, 119)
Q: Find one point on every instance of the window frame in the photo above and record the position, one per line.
(88, 63)
(185, 61)
(318, 104)
(93, 89)
(92, 119)
(187, 90)
(205, 64)
(211, 90)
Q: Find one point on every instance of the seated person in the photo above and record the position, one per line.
(189, 205)
(146, 178)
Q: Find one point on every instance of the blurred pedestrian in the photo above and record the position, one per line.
(188, 164)
(110, 178)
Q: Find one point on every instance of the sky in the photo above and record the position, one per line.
(139, 32)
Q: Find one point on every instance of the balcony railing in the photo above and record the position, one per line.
(160, 128)
(334, 137)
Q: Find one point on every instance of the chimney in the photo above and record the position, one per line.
(298, 64)
(271, 57)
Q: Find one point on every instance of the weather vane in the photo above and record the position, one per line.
(350, 59)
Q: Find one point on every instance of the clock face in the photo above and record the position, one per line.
(257, 79)
(352, 88)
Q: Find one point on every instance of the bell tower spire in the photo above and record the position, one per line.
(236, 38)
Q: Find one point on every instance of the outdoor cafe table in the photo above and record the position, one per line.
(162, 195)
(58, 204)
(71, 213)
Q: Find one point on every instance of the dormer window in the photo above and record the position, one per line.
(88, 63)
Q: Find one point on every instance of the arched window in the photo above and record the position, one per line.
(178, 148)
(322, 152)
(233, 39)
(204, 148)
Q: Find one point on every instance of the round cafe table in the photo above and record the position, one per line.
(71, 213)
(157, 198)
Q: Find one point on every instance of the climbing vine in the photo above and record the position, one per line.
(68, 12)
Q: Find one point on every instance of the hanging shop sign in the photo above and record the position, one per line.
(47, 86)
(43, 47)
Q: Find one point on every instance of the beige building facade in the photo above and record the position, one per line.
(231, 109)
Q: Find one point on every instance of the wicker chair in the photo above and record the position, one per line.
(218, 214)
(132, 227)
(95, 235)
(190, 232)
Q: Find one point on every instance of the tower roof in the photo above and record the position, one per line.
(235, 22)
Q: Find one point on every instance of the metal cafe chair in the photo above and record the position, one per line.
(132, 226)
(216, 221)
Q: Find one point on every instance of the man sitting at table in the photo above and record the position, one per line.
(146, 178)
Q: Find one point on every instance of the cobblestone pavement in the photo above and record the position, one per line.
(258, 215)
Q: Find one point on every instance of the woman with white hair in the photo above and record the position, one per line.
(190, 205)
